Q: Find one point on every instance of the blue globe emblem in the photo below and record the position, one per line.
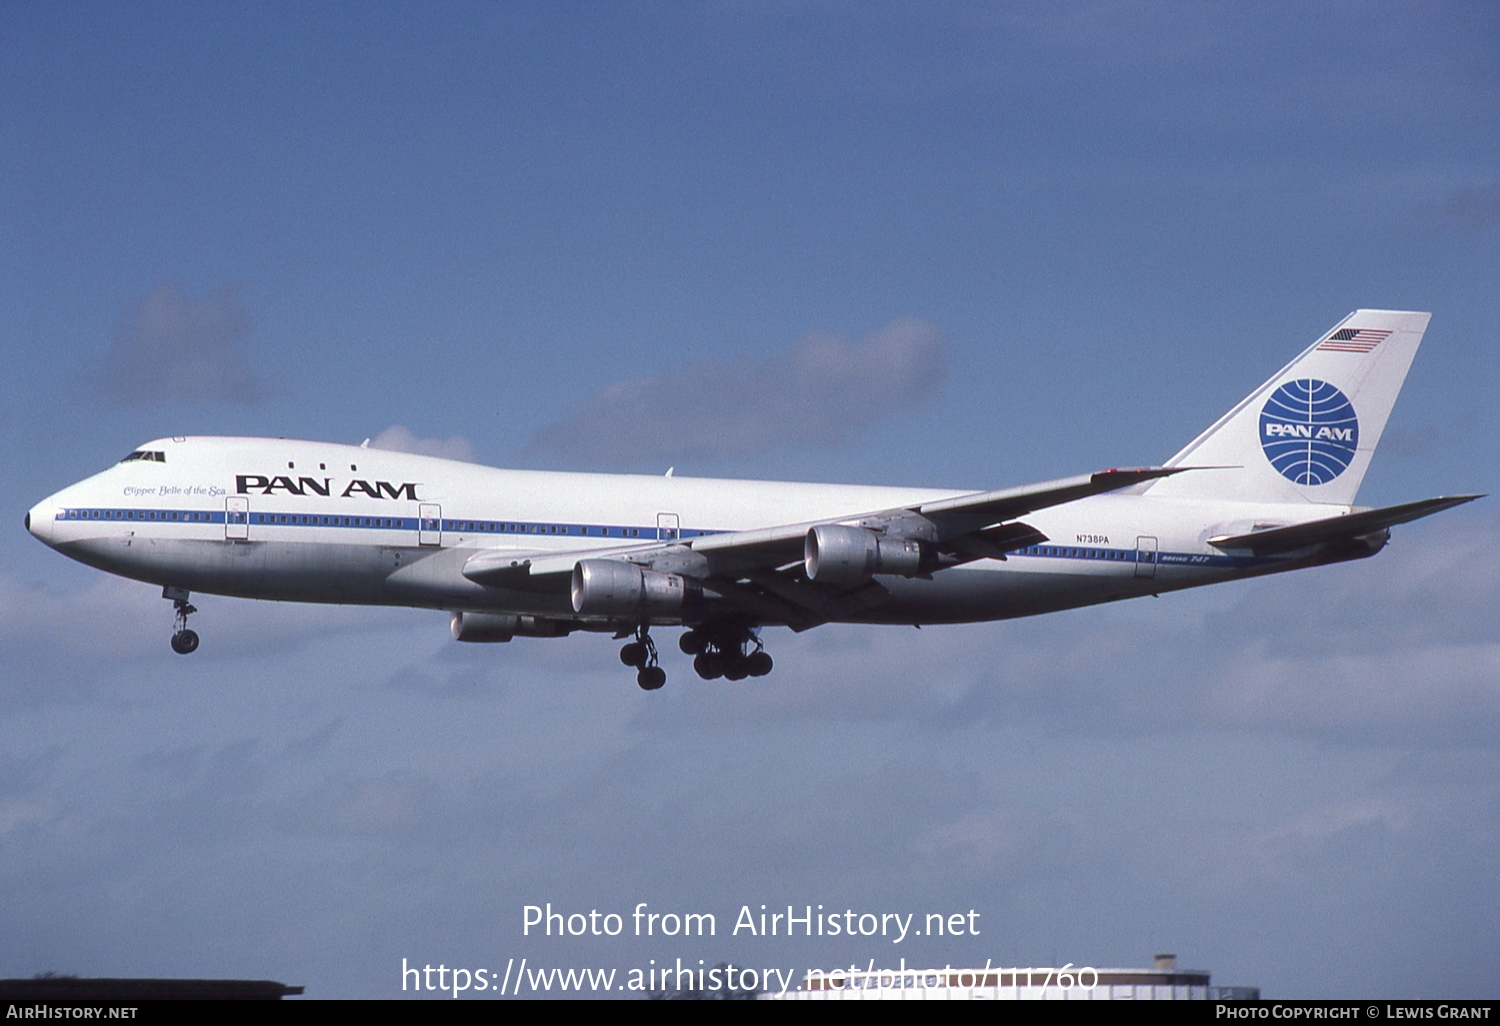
(1308, 431)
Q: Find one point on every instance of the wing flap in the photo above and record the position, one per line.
(995, 542)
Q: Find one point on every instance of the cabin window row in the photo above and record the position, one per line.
(485, 526)
(310, 520)
(1064, 552)
(305, 520)
(180, 516)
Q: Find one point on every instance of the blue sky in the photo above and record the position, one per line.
(1035, 241)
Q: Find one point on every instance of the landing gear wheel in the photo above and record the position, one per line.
(185, 642)
(641, 653)
(730, 650)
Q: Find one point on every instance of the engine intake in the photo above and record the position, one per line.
(504, 626)
(846, 556)
(610, 587)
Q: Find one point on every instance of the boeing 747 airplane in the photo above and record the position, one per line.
(1268, 487)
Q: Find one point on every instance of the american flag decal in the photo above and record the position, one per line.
(1354, 340)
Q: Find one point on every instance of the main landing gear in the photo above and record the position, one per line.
(722, 652)
(641, 653)
(184, 641)
(718, 650)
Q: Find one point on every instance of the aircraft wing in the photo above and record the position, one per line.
(940, 521)
(966, 527)
(1331, 529)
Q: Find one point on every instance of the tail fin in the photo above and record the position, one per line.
(1307, 434)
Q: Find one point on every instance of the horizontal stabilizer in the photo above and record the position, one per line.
(1353, 525)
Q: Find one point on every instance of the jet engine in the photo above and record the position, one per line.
(846, 556)
(504, 626)
(610, 587)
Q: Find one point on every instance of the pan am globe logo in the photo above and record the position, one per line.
(1308, 431)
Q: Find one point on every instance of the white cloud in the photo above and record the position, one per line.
(110, 637)
(824, 390)
(1318, 825)
(174, 349)
(402, 439)
(1475, 207)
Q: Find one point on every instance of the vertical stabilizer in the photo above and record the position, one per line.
(1308, 433)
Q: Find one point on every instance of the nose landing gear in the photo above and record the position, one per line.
(184, 641)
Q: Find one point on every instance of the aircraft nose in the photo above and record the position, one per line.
(40, 520)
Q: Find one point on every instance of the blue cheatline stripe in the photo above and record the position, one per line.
(623, 532)
(499, 527)
(1130, 557)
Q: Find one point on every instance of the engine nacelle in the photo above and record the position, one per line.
(503, 627)
(610, 587)
(846, 556)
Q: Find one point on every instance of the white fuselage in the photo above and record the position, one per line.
(319, 522)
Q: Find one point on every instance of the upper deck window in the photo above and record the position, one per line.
(155, 457)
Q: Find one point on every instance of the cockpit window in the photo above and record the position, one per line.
(156, 457)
